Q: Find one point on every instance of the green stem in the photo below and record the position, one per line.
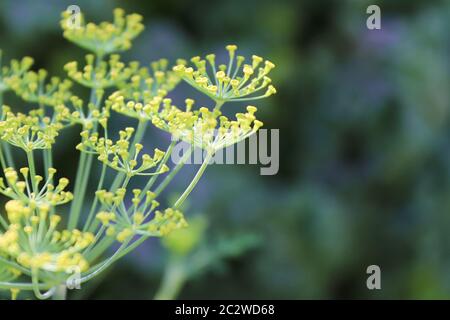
(100, 248)
(36, 289)
(219, 105)
(3, 222)
(30, 159)
(173, 280)
(173, 173)
(76, 191)
(48, 162)
(94, 204)
(142, 126)
(4, 145)
(194, 182)
(24, 286)
(60, 293)
(8, 154)
(96, 252)
(84, 165)
(104, 265)
(74, 216)
(2, 158)
(169, 177)
(14, 265)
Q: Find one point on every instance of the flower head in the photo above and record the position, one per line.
(74, 112)
(28, 131)
(122, 155)
(148, 83)
(235, 81)
(104, 74)
(136, 109)
(48, 195)
(206, 129)
(106, 37)
(32, 87)
(31, 237)
(36, 245)
(140, 218)
(11, 74)
(203, 128)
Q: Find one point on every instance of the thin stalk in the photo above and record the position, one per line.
(8, 154)
(173, 173)
(48, 161)
(73, 220)
(24, 286)
(132, 246)
(36, 289)
(94, 204)
(3, 222)
(100, 248)
(104, 265)
(2, 158)
(4, 145)
(168, 178)
(60, 293)
(219, 104)
(194, 182)
(84, 166)
(80, 171)
(30, 159)
(173, 280)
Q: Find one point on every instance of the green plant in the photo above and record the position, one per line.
(42, 245)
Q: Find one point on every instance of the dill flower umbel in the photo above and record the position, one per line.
(209, 130)
(147, 83)
(10, 74)
(235, 81)
(32, 87)
(75, 111)
(121, 155)
(141, 217)
(28, 131)
(106, 37)
(101, 75)
(52, 228)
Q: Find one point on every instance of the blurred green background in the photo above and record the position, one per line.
(364, 151)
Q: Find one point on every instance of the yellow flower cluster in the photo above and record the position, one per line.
(136, 109)
(106, 37)
(32, 87)
(46, 196)
(166, 221)
(28, 131)
(103, 74)
(209, 130)
(73, 112)
(235, 81)
(203, 128)
(147, 83)
(10, 75)
(122, 155)
(140, 218)
(32, 240)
